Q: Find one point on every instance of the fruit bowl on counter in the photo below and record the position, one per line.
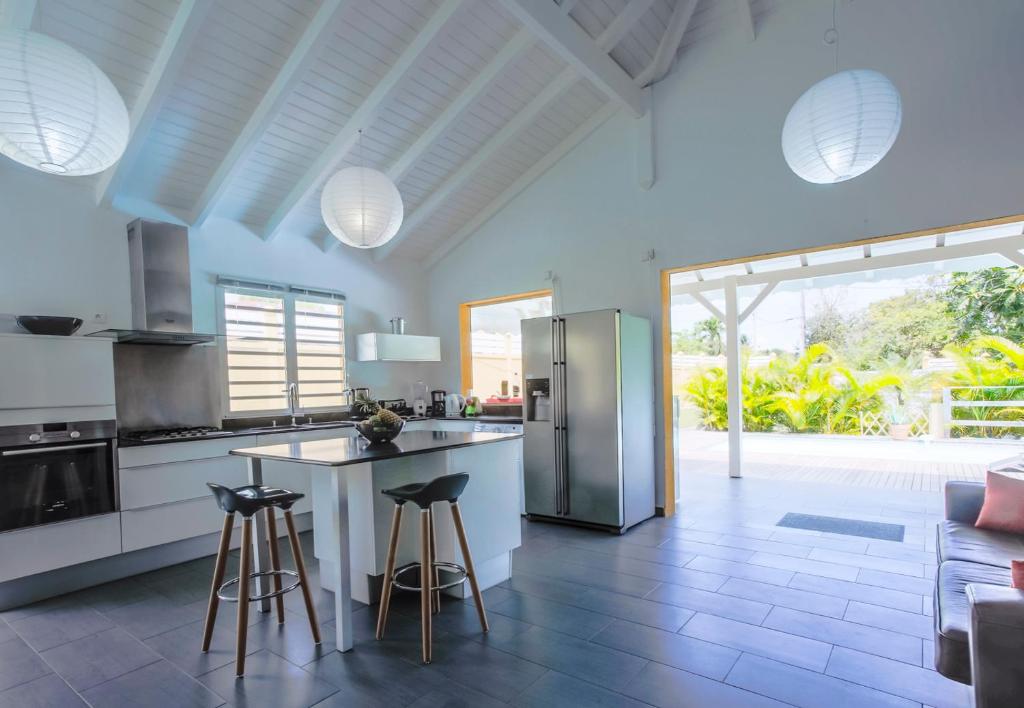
(382, 426)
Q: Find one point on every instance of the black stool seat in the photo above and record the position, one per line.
(251, 498)
(423, 494)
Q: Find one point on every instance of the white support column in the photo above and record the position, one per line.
(734, 383)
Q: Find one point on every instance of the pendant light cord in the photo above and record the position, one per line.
(835, 29)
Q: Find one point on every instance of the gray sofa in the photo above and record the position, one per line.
(979, 618)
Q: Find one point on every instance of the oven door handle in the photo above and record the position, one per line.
(59, 448)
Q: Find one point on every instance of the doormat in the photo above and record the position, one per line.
(846, 527)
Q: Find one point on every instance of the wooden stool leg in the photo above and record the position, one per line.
(389, 571)
(460, 531)
(243, 596)
(425, 575)
(218, 578)
(275, 561)
(300, 568)
(435, 596)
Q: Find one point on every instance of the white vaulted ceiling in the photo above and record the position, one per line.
(243, 108)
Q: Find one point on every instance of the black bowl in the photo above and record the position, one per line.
(42, 324)
(378, 434)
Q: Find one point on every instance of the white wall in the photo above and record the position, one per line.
(723, 188)
(61, 255)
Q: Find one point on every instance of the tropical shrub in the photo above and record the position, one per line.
(989, 369)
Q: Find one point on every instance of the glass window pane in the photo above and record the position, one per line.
(496, 347)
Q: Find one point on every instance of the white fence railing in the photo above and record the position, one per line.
(950, 404)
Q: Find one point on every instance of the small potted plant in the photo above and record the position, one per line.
(899, 422)
(381, 426)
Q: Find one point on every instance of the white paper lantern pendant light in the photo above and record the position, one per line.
(842, 126)
(59, 113)
(361, 206)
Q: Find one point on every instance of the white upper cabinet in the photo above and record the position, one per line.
(54, 379)
(379, 346)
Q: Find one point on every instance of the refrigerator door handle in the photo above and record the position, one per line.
(564, 418)
(556, 415)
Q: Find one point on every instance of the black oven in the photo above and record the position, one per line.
(57, 471)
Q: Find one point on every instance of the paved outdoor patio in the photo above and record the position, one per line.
(874, 462)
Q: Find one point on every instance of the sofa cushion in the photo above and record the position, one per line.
(953, 614)
(1003, 509)
(1017, 574)
(965, 542)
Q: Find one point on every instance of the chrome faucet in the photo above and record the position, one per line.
(293, 401)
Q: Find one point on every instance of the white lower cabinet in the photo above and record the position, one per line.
(42, 548)
(156, 525)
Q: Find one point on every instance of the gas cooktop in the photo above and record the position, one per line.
(172, 434)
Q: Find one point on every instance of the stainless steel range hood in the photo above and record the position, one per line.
(161, 287)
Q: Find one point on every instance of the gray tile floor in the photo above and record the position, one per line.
(716, 606)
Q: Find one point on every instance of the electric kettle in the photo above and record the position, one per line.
(454, 404)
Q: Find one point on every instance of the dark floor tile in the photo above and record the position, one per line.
(768, 546)
(19, 664)
(6, 633)
(770, 643)
(541, 586)
(917, 625)
(760, 573)
(157, 685)
(293, 639)
(460, 618)
(50, 691)
(185, 588)
(323, 602)
(616, 582)
(900, 551)
(607, 545)
(836, 543)
(687, 653)
(90, 661)
(632, 566)
(602, 665)
(556, 690)
(118, 593)
(804, 565)
(807, 689)
(453, 697)
(155, 616)
(269, 681)
(60, 625)
(713, 603)
(16, 613)
(860, 560)
(667, 687)
(633, 609)
(901, 679)
(895, 581)
(372, 675)
(182, 646)
(787, 597)
(708, 550)
(855, 591)
(553, 615)
(488, 668)
(881, 642)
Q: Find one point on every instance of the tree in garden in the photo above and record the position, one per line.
(903, 326)
(709, 332)
(987, 302)
(828, 324)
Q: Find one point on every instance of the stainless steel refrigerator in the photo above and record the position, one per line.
(589, 418)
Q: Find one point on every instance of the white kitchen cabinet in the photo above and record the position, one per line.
(151, 485)
(42, 548)
(55, 379)
(157, 525)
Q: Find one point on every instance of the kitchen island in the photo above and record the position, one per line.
(351, 518)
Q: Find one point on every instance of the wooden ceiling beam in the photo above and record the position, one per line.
(302, 56)
(362, 118)
(186, 25)
(574, 45)
(481, 157)
(669, 44)
(623, 23)
(521, 183)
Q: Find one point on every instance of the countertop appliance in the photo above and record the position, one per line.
(53, 472)
(454, 404)
(171, 434)
(161, 287)
(437, 403)
(588, 424)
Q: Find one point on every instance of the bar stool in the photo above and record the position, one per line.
(247, 501)
(424, 495)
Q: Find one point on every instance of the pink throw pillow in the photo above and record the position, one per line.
(1003, 509)
(1017, 574)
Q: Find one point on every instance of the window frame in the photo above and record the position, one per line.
(288, 294)
(466, 329)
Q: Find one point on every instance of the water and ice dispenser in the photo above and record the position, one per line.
(538, 399)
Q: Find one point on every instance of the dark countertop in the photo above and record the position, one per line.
(240, 433)
(507, 419)
(338, 452)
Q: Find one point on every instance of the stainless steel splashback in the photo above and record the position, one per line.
(165, 387)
